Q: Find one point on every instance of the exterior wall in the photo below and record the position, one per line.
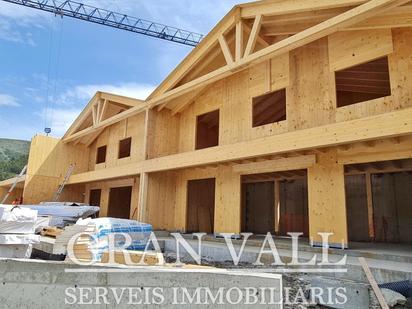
(308, 75)
(105, 186)
(132, 127)
(49, 159)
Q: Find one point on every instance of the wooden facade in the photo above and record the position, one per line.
(258, 48)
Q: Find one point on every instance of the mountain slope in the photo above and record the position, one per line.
(13, 156)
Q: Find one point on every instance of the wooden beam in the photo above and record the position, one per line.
(94, 114)
(107, 122)
(251, 43)
(207, 44)
(382, 151)
(284, 7)
(225, 49)
(192, 97)
(239, 41)
(127, 101)
(371, 225)
(260, 39)
(103, 110)
(381, 126)
(373, 283)
(278, 165)
(307, 36)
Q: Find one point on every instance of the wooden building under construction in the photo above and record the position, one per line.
(290, 116)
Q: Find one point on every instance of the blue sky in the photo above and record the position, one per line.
(68, 60)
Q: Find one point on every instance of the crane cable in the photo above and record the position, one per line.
(51, 86)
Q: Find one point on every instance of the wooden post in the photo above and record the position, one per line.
(227, 202)
(371, 226)
(144, 181)
(327, 205)
(277, 206)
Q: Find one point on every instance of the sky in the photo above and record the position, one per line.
(50, 67)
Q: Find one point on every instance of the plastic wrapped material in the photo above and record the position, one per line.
(19, 239)
(98, 242)
(17, 220)
(16, 251)
(62, 214)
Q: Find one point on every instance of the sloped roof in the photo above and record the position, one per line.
(102, 110)
(269, 28)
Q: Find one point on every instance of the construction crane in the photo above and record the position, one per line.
(112, 19)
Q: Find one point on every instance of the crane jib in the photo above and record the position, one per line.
(112, 19)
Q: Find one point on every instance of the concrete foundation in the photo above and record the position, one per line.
(38, 284)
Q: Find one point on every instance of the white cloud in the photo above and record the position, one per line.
(83, 93)
(8, 100)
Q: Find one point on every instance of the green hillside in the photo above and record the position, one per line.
(13, 156)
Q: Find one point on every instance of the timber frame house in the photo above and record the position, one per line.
(281, 103)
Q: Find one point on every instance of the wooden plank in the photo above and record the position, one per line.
(373, 283)
(225, 49)
(283, 7)
(277, 165)
(369, 201)
(131, 102)
(277, 206)
(239, 41)
(103, 110)
(251, 43)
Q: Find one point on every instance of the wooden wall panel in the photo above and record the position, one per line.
(400, 67)
(161, 197)
(228, 201)
(132, 127)
(309, 101)
(49, 160)
(350, 48)
(326, 196)
(163, 138)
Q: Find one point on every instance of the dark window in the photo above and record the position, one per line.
(124, 147)
(101, 154)
(207, 130)
(95, 196)
(269, 108)
(363, 82)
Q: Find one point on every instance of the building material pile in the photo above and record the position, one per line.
(102, 235)
(17, 228)
(62, 214)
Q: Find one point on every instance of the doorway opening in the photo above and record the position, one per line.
(200, 205)
(275, 202)
(119, 202)
(378, 201)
